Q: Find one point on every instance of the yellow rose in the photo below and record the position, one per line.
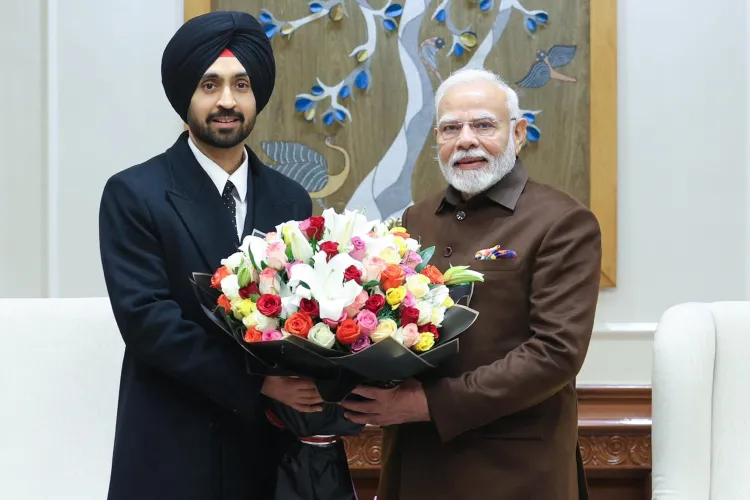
(401, 244)
(394, 296)
(425, 342)
(418, 285)
(250, 321)
(244, 307)
(386, 328)
(437, 316)
(390, 256)
(398, 229)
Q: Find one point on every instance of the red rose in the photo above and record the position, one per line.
(352, 273)
(315, 229)
(429, 327)
(309, 307)
(375, 303)
(224, 302)
(409, 315)
(347, 332)
(331, 248)
(269, 305)
(247, 291)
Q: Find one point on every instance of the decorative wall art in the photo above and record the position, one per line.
(352, 114)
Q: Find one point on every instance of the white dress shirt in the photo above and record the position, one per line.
(219, 177)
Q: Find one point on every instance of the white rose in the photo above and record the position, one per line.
(264, 323)
(438, 314)
(230, 286)
(412, 245)
(250, 321)
(233, 261)
(425, 312)
(418, 285)
(322, 335)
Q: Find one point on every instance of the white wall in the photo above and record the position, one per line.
(86, 101)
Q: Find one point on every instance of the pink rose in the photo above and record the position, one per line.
(272, 236)
(408, 271)
(271, 335)
(411, 259)
(359, 249)
(409, 300)
(411, 334)
(368, 322)
(334, 324)
(276, 255)
(290, 265)
(267, 281)
(304, 225)
(359, 302)
(373, 267)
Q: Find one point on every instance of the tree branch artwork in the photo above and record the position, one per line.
(386, 190)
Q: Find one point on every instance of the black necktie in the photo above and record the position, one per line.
(228, 198)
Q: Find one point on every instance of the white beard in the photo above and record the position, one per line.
(477, 180)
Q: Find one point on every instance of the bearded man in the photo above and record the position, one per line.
(498, 421)
(190, 421)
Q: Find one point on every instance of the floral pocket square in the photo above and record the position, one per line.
(495, 253)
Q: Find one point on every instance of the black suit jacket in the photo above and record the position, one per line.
(189, 419)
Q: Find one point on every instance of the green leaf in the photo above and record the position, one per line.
(263, 265)
(371, 284)
(426, 255)
(289, 253)
(254, 297)
(252, 259)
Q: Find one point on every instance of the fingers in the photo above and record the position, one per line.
(361, 406)
(360, 418)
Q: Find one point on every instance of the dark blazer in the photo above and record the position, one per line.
(189, 425)
(504, 420)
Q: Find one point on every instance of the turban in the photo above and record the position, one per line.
(199, 43)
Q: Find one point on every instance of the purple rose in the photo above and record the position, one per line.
(362, 342)
(408, 271)
(359, 249)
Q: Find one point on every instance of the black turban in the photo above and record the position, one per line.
(198, 44)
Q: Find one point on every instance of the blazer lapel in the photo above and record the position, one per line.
(199, 205)
(265, 198)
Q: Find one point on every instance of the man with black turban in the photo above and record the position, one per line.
(190, 423)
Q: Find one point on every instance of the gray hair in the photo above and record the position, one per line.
(464, 76)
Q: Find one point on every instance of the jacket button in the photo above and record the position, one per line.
(447, 252)
(460, 215)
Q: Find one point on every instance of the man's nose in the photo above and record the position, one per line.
(467, 139)
(226, 100)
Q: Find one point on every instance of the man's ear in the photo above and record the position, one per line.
(519, 133)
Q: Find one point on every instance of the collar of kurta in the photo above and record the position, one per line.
(506, 192)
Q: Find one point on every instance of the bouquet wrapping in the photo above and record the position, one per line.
(343, 301)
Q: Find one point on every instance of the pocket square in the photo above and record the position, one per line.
(495, 253)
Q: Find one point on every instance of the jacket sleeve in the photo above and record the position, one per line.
(564, 290)
(150, 321)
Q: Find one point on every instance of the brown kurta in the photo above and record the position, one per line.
(504, 410)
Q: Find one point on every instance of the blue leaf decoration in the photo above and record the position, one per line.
(265, 18)
(533, 133)
(542, 17)
(317, 90)
(362, 80)
(441, 16)
(340, 116)
(485, 5)
(315, 7)
(388, 24)
(560, 55)
(530, 24)
(328, 118)
(458, 50)
(302, 104)
(394, 10)
(529, 117)
(345, 92)
(270, 30)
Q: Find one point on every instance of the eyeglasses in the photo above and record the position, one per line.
(483, 127)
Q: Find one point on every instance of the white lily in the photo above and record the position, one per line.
(341, 228)
(326, 283)
(293, 237)
(255, 247)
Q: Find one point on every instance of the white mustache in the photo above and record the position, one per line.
(472, 153)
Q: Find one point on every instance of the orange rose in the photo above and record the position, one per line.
(347, 332)
(432, 272)
(223, 301)
(403, 235)
(298, 324)
(391, 277)
(219, 275)
(252, 335)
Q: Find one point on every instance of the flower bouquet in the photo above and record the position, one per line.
(343, 301)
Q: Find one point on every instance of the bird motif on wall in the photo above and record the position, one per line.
(307, 166)
(428, 51)
(543, 70)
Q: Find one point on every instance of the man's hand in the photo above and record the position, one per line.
(405, 403)
(300, 394)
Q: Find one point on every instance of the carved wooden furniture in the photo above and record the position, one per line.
(615, 439)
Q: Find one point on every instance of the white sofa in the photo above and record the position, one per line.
(59, 373)
(701, 402)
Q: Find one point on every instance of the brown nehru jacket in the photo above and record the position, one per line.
(504, 410)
